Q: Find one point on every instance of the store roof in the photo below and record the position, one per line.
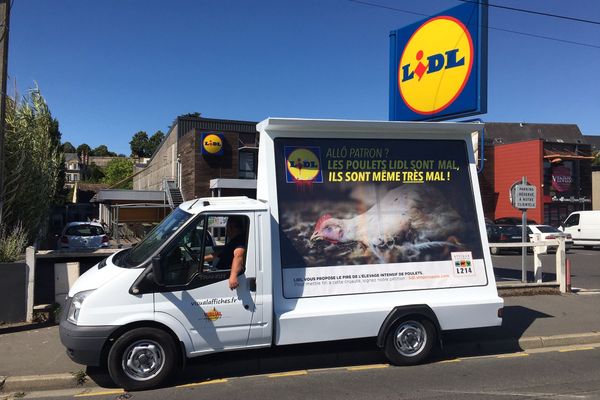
(503, 133)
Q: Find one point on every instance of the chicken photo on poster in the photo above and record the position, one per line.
(350, 211)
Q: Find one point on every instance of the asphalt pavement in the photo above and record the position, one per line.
(32, 357)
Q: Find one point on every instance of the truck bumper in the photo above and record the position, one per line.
(84, 343)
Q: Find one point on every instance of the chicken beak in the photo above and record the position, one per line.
(315, 236)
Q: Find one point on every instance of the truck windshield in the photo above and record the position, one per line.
(155, 238)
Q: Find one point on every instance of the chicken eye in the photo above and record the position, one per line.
(327, 229)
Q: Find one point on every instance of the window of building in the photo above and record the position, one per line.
(247, 165)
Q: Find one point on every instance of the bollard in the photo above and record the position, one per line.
(568, 273)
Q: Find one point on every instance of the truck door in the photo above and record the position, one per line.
(198, 270)
(572, 226)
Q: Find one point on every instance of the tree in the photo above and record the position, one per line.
(154, 141)
(83, 149)
(102, 151)
(139, 144)
(33, 162)
(92, 173)
(116, 171)
(67, 147)
(596, 160)
(192, 114)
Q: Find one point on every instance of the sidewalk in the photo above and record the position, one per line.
(33, 357)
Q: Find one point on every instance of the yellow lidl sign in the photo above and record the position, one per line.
(212, 144)
(438, 66)
(437, 59)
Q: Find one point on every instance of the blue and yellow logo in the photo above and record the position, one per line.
(303, 164)
(212, 144)
(435, 65)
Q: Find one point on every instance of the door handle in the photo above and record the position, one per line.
(251, 284)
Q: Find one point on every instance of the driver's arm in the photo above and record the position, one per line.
(237, 266)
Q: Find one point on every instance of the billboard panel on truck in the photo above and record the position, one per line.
(376, 215)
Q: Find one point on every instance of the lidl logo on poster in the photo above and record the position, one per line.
(436, 67)
(212, 144)
(303, 164)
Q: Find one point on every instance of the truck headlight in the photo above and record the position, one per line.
(76, 304)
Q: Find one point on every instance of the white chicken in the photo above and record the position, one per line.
(408, 215)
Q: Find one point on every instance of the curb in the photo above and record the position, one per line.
(72, 380)
(43, 382)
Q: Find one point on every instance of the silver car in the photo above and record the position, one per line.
(83, 235)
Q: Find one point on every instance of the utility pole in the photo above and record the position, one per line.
(4, 29)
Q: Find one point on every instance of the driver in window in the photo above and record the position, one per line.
(233, 254)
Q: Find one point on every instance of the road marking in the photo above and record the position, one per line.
(290, 373)
(366, 367)
(575, 349)
(450, 361)
(211, 382)
(104, 393)
(514, 355)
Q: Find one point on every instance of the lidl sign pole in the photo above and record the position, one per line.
(523, 196)
(438, 67)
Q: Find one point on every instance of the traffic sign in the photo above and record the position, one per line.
(523, 196)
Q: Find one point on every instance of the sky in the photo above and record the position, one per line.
(111, 68)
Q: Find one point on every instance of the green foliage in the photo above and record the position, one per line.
(12, 244)
(102, 151)
(117, 170)
(83, 149)
(33, 162)
(596, 160)
(67, 147)
(144, 146)
(139, 144)
(155, 141)
(92, 173)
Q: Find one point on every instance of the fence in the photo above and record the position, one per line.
(540, 247)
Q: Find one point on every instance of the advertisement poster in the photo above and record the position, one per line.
(377, 215)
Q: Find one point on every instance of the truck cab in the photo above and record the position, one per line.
(164, 285)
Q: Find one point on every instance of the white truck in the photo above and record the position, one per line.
(360, 229)
(584, 227)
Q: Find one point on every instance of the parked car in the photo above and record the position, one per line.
(83, 235)
(506, 234)
(513, 221)
(548, 232)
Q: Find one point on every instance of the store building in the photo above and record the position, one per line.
(555, 158)
(202, 157)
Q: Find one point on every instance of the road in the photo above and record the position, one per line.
(554, 373)
(585, 267)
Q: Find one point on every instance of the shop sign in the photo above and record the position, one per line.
(438, 66)
(561, 178)
(212, 144)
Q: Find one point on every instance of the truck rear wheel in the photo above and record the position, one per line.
(409, 341)
(142, 358)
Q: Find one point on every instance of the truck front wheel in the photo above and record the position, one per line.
(409, 341)
(142, 358)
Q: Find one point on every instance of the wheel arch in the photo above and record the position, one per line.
(400, 313)
(179, 344)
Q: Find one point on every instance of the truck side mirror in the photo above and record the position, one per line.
(157, 271)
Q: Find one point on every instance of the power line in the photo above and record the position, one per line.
(366, 3)
(587, 21)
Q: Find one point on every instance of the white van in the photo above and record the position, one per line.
(361, 229)
(584, 226)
